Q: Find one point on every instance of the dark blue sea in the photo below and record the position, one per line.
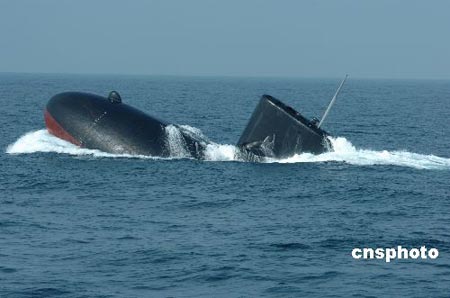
(82, 223)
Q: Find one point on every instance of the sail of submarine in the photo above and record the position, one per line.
(105, 123)
(277, 130)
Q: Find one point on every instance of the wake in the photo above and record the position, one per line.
(344, 151)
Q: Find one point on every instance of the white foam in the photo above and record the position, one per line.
(175, 142)
(218, 152)
(344, 151)
(42, 141)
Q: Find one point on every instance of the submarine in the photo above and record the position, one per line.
(279, 131)
(107, 124)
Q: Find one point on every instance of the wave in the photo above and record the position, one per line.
(343, 151)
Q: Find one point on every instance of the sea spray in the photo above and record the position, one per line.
(343, 151)
(175, 142)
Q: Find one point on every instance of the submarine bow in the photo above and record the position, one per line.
(96, 122)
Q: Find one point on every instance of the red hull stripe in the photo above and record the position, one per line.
(55, 129)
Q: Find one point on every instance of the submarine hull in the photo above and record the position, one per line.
(96, 122)
(277, 130)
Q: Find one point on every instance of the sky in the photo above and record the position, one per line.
(284, 38)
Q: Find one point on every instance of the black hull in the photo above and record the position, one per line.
(96, 122)
(277, 130)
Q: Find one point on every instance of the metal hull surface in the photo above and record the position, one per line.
(94, 122)
(277, 130)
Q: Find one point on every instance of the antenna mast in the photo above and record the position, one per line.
(332, 101)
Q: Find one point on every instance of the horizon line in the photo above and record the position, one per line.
(274, 76)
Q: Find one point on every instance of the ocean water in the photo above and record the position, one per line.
(83, 223)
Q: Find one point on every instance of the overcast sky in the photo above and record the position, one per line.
(379, 38)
